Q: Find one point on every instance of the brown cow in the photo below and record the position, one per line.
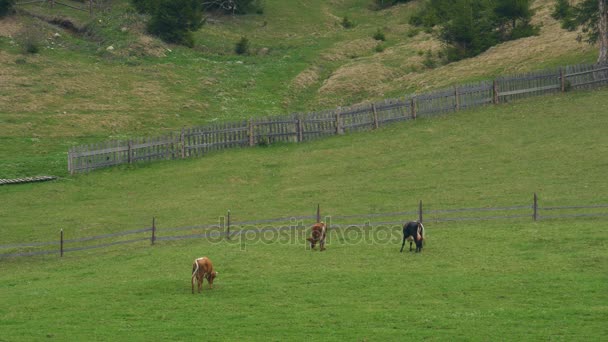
(318, 235)
(202, 268)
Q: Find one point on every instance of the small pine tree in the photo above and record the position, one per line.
(242, 46)
(346, 23)
(379, 35)
(175, 20)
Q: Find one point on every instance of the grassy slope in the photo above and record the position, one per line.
(481, 281)
(75, 91)
(487, 157)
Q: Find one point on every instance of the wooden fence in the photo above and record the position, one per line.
(226, 228)
(301, 127)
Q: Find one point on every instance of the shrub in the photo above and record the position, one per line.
(379, 35)
(429, 62)
(242, 46)
(346, 23)
(379, 47)
(30, 39)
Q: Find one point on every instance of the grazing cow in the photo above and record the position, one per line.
(202, 269)
(318, 236)
(413, 231)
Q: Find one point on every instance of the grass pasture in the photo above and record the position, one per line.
(488, 280)
(481, 281)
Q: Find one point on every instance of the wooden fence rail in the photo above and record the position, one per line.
(301, 127)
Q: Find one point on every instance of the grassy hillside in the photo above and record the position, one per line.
(76, 90)
(492, 156)
(485, 280)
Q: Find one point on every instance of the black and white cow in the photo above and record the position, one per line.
(413, 231)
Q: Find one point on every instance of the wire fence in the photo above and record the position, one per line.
(226, 229)
(302, 127)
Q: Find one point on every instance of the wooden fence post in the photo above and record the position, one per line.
(562, 80)
(228, 225)
(420, 212)
(61, 243)
(318, 213)
(300, 129)
(535, 207)
(70, 165)
(339, 128)
(375, 115)
(153, 230)
(90, 7)
(182, 139)
(495, 92)
(457, 97)
(250, 132)
(413, 107)
(129, 151)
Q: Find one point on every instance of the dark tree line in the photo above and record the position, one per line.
(174, 21)
(470, 27)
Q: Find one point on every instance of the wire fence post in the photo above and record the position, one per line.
(420, 212)
(153, 230)
(535, 207)
(61, 243)
(228, 225)
(318, 213)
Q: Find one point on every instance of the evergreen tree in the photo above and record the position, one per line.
(592, 17)
(470, 27)
(175, 20)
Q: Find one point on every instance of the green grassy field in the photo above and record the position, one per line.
(487, 280)
(481, 281)
(484, 280)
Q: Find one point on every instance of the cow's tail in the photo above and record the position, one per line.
(194, 268)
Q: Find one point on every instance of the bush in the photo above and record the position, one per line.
(379, 35)
(429, 62)
(242, 46)
(6, 7)
(379, 47)
(346, 23)
(30, 39)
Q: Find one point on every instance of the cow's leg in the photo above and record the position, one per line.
(322, 245)
(403, 244)
(193, 280)
(410, 245)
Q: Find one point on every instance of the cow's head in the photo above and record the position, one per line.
(211, 276)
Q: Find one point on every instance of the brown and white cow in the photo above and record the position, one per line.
(318, 235)
(202, 268)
